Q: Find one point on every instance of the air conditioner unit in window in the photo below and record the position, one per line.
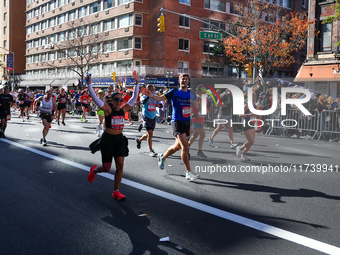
(186, 53)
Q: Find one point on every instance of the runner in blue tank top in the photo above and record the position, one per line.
(181, 100)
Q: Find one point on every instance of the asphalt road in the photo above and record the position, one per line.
(271, 205)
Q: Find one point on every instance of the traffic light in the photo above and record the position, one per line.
(249, 70)
(161, 24)
(113, 77)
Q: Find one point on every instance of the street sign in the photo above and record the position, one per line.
(210, 35)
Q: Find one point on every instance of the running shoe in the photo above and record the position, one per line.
(138, 142)
(152, 153)
(191, 176)
(41, 140)
(91, 175)
(161, 161)
(140, 127)
(81, 119)
(2, 134)
(58, 123)
(238, 151)
(73, 113)
(130, 123)
(44, 142)
(28, 117)
(210, 142)
(86, 120)
(201, 154)
(233, 145)
(244, 157)
(63, 123)
(118, 195)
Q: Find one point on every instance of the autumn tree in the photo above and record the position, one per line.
(78, 48)
(266, 36)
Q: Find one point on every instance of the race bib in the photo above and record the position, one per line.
(117, 122)
(186, 111)
(8, 117)
(152, 107)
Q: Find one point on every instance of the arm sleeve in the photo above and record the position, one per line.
(133, 99)
(99, 102)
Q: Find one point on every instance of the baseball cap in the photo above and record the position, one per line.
(262, 94)
(183, 74)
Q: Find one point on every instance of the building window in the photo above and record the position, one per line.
(183, 67)
(138, 43)
(52, 22)
(62, 19)
(184, 1)
(109, 24)
(62, 2)
(126, 63)
(36, 42)
(326, 37)
(235, 9)
(125, 43)
(215, 5)
(184, 21)
(212, 70)
(71, 53)
(208, 47)
(5, 30)
(5, 16)
(95, 28)
(141, 1)
(5, 3)
(108, 4)
(95, 7)
(213, 25)
(183, 44)
(138, 63)
(125, 21)
(29, 44)
(109, 46)
(44, 8)
(138, 19)
(82, 12)
(61, 37)
(53, 5)
(124, 1)
(44, 24)
(72, 15)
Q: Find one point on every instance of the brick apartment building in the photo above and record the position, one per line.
(321, 70)
(129, 39)
(12, 37)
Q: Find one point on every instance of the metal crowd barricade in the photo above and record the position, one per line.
(329, 123)
(295, 120)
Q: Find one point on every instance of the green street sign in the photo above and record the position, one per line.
(210, 35)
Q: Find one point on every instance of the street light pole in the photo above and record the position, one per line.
(169, 74)
(13, 66)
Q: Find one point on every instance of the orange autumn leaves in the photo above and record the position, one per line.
(271, 44)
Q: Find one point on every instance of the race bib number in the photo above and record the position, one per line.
(21, 102)
(186, 111)
(152, 107)
(8, 117)
(117, 122)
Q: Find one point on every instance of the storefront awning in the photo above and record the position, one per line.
(35, 83)
(318, 73)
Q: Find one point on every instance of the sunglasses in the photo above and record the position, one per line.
(118, 99)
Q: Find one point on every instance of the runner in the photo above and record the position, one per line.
(47, 103)
(6, 101)
(77, 103)
(249, 131)
(225, 113)
(198, 121)
(100, 113)
(181, 100)
(61, 104)
(28, 101)
(21, 99)
(112, 143)
(149, 120)
(85, 104)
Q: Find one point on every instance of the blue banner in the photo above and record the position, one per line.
(128, 81)
(162, 82)
(10, 62)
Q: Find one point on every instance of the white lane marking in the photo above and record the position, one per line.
(281, 233)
